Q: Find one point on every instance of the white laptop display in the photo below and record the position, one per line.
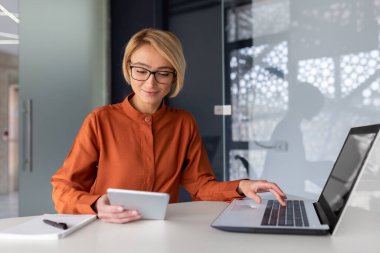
(303, 216)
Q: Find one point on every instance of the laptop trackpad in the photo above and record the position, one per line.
(245, 207)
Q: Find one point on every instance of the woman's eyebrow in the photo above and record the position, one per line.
(140, 64)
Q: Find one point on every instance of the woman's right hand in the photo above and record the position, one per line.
(114, 214)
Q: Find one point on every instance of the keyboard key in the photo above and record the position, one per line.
(297, 214)
(289, 213)
(304, 216)
(274, 214)
(268, 210)
(281, 218)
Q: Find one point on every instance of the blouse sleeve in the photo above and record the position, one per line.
(198, 177)
(73, 181)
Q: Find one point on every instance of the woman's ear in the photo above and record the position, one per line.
(128, 66)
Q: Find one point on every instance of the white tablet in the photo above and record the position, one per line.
(151, 205)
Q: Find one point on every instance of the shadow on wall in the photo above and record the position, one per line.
(291, 170)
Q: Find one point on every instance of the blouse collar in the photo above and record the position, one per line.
(136, 115)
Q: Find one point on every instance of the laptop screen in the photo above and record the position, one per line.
(345, 172)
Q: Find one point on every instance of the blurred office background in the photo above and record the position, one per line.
(294, 74)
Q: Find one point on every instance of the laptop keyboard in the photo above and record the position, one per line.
(291, 215)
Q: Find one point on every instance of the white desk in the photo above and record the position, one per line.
(187, 229)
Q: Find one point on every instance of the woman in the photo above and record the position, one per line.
(141, 143)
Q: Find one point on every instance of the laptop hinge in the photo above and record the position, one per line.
(321, 214)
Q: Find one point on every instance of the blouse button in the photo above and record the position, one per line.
(148, 119)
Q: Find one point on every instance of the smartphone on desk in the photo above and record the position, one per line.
(151, 205)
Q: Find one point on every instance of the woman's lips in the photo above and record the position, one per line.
(150, 92)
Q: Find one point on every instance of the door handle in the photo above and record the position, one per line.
(28, 162)
(279, 145)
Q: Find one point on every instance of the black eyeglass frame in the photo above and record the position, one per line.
(154, 74)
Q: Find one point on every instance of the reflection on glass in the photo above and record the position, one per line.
(319, 73)
(257, 90)
(356, 69)
(245, 163)
(260, 18)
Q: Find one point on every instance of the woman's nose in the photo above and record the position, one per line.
(151, 80)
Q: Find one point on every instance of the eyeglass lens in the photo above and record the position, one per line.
(142, 74)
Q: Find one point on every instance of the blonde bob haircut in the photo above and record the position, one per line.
(167, 44)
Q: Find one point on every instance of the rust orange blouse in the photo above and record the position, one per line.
(119, 147)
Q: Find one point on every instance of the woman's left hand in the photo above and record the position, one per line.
(250, 188)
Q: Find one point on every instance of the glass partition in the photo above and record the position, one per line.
(298, 75)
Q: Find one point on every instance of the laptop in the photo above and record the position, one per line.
(304, 216)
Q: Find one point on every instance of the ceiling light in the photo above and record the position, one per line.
(9, 14)
(9, 35)
(8, 42)
(3, 14)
